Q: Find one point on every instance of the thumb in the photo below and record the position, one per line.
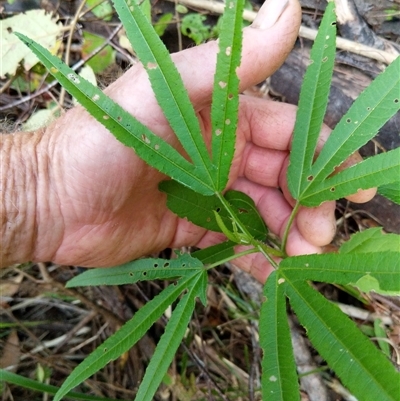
(266, 44)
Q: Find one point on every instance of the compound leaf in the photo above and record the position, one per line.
(312, 103)
(365, 370)
(371, 240)
(127, 335)
(225, 101)
(381, 169)
(279, 378)
(150, 147)
(376, 105)
(139, 270)
(346, 268)
(166, 82)
(170, 340)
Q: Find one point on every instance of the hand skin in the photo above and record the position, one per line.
(73, 194)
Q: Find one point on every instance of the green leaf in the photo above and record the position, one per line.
(376, 105)
(391, 191)
(225, 102)
(150, 147)
(365, 370)
(139, 270)
(167, 84)
(101, 9)
(103, 59)
(199, 209)
(30, 384)
(215, 253)
(312, 103)
(371, 240)
(381, 169)
(346, 268)
(127, 335)
(162, 24)
(279, 377)
(170, 340)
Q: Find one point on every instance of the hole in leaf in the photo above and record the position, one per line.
(151, 66)
(9, 29)
(241, 210)
(166, 264)
(333, 23)
(105, 350)
(369, 108)
(227, 121)
(273, 379)
(73, 78)
(281, 281)
(96, 97)
(230, 96)
(222, 84)
(131, 274)
(106, 117)
(119, 118)
(144, 273)
(155, 265)
(325, 59)
(396, 100)
(145, 139)
(218, 209)
(327, 37)
(228, 51)
(333, 189)
(310, 178)
(348, 120)
(218, 132)
(156, 147)
(183, 264)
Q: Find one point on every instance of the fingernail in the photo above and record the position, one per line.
(269, 13)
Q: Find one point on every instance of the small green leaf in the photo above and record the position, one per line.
(365, 370)
(127, 335)
(162, 24)
(104, 58)
(279, 377)
(150, 147)
(170, 340)
(225, 102)
(193, 26)
(381, 169)
(381, 337)
(312, 103)
(391, 191)
(347, 268)
(371, 240)
(167, 84)
(139, 270)
(199, 209)
(101, 9)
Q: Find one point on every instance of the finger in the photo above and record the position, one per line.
(317, 224)
(361, 196)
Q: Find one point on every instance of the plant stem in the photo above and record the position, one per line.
(288, 225)
(264, 249)
(236, 255)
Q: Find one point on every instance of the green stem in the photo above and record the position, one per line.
(264, 249)
(288, 225)
(236, 255)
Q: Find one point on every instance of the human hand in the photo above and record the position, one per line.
(109, 209)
